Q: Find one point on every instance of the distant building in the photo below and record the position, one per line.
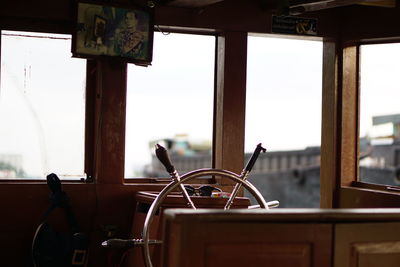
(293, 176)
(393, 119)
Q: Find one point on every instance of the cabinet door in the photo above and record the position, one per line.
(367, 245)
(234, 244)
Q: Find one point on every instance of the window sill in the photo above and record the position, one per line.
(379, 187)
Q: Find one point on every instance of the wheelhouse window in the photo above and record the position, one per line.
(379, 146)
(42, 106)
(171, 103)
(283, 112)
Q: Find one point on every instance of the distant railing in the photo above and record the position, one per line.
(274, 161)
(277, 161)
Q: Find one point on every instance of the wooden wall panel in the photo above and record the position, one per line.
(22, 208)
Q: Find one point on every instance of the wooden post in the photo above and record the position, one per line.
(350, 114)
(230, 101)
(330, 161)
(109, 126)
(340, 111)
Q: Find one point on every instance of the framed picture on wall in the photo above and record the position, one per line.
(104, 30)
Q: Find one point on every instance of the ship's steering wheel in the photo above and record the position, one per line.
(178, 183)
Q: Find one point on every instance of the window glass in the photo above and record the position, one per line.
(171, 103)
(42, 106)
(283, 112)
(380, 114)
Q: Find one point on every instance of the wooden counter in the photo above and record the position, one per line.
(282, 238)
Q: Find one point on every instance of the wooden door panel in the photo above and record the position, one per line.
(367, 245)
(258, 254)
(228, 243)
(376, 254)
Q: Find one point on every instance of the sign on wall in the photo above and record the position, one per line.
(294, 25)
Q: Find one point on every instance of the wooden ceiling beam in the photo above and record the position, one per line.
(302, 6)
(381, 3)
(190, 3)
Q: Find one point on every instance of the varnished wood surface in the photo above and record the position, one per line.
(110, 121)
(243, 238)
(246, 243)
(349, 115)
(276, 245)
(330, 161)
(357, 197)
(282, 238)
(286, 215)
(230, 102)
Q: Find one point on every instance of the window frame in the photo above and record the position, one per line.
(340, 185)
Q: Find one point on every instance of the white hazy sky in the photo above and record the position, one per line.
(283, 100)
(175, 96)
(42, 104)
(380, 85)
(284, 81)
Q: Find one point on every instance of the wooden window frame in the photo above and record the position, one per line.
(340, 185)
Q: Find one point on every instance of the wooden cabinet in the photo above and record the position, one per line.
(282, 238)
